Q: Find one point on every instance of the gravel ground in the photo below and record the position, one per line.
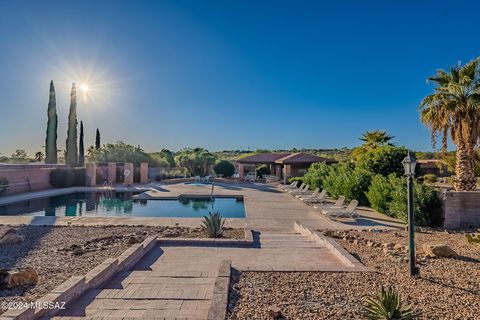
(57, 253)
(449, 288)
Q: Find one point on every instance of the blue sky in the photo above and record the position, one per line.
(228, 74)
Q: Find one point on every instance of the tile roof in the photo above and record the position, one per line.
(284, 158)
(303, 158)
(262, 158)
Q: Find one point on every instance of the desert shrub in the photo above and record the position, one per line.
(473, 238)
(345, 180)
(429, 178)
(79, 176)
(316, 174)
(388, 195)
(384, 160)
(262, 170)
(213, 225)
(62, 178)
(379, 192)
(224, 167)
(3, 185)
(387, 305)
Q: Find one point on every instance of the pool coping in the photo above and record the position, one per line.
(124, 220)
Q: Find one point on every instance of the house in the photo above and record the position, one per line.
(282, 165)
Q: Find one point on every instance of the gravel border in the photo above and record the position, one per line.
(449, 288)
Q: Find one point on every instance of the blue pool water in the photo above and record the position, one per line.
(121, 204)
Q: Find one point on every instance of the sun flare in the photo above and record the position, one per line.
(84, 87)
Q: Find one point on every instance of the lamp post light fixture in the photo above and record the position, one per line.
(409, 164)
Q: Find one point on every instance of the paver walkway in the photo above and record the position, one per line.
(176, 281)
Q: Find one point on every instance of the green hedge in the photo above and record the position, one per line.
(384, 160)
(224, 167)
(345, 180)
(388, 195)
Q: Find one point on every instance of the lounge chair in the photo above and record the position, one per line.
(338, 204)
(314, 193)
(292, 185)
(350, 211)
(296, 189)
(319, 198)
(303, 190)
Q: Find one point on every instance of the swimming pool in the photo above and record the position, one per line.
(91, 204)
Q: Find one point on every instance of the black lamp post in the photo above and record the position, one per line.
(409, 164)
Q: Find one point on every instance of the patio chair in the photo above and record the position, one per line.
(305, 190)
(338, 204)
(292, 185)
(319, 198)
(296, 188)
(314, 193)
(350, 211)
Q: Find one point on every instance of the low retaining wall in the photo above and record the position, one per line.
(27, 177)
(461, 209)
(75, 286)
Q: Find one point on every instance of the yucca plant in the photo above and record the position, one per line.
(213, 224)
(387, 305)
(473, 238)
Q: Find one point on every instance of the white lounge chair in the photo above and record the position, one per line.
(292, 185)
(350, 211)
(314, 193)
(303, 190)
(296, 189)
(319, 198)
(338, 204)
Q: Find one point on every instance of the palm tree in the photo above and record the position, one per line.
(376, 138)
(454, 109)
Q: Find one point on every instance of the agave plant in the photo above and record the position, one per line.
(387, 305)
(213, 224)
(473, 238)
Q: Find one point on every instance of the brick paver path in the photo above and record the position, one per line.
(176, 281)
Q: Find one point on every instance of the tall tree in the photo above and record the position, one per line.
(52, 124)
(374, 139)
(97, 140)
(454, 108)
(81, 148)
(71, 152)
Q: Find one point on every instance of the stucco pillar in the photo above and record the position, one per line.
(128, 174)
(112, 172)
(91, 175)
(144, 172)
(241, 170)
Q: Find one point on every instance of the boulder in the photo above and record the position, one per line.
(439, 250)
(274, 312)
(10, 237)
(14, 278)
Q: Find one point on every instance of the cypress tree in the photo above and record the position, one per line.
(71, 153)
(81, 148)
(52, 124)
(97, 140)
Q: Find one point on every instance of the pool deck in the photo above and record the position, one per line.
(266, 206)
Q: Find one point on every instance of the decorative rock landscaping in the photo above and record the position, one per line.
(308, 295)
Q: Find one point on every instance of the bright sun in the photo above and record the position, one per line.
(84, 87)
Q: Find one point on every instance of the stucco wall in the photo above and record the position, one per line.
(27, 177)
(461, 209)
